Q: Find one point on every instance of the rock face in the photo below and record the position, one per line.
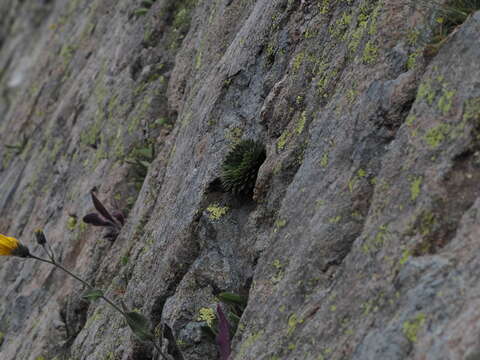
(362, 237)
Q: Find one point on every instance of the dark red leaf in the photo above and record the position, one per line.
(119, 216)
(223, 337)
(96, 220)
(111, 234)
(101, 209)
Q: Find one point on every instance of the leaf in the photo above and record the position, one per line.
(111, 234)
(147, 3)
(146, 153)
(234, 318)
(208, 332)
(140, 11)
(95, 220)
(144, 163)
(234, 299)
(101, 209)
(139, 325)
(223, 337)
(119, 216)
(93, 294)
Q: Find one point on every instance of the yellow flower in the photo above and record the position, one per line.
(9, 246)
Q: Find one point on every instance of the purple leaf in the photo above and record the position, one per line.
(96, 220)
(101, 209)
(111, 234)
(119, 216)
(223, 337)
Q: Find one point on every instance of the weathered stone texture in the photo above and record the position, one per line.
(361, 241)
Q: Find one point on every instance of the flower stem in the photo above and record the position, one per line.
(107, 300)
(54, 263)
(159, 350)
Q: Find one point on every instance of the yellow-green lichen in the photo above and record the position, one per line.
(280, 272)
(335, 219)
(357, 36)
(277, 264)
(472, 109)
(377, 242)
(216, 212)
(412, 36)
(198, 60)
(351, 95)
(298, 61)
(249, 341)
(71, 223)
(436, 135)
(207, 315)
(91, 136)
(324, 6)
(415, 186)
(425, 91)
(67, 53)
(410, 120)
(353, 181)
(181, 18)
(280, 223)
(324, 160)
(293, 321)
(301, 122)
(310, 33)
(412, 59)
(445, 101)
(372, 29)
(405, 256)
(370, 53)
(411, 328)
(427, 222)
(234, 135)
(282, 140)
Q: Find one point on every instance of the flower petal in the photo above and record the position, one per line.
(8, 245)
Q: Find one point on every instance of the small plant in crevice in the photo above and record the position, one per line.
(450, 15)
(220, 328)
(140, 11)
(140, 159)
(112, 222)
(241, 165)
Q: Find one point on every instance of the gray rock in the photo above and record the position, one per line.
(361, 238)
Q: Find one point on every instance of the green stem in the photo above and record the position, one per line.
(54, 263)
(110, 302)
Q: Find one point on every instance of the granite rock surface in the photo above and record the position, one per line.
(361, 240)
